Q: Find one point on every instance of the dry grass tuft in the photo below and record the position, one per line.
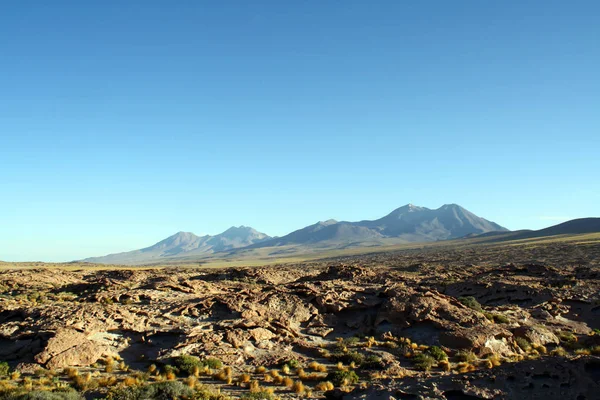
(170, 376)
(288, 382)
(260, 369)
(324, 386)
(298, 387)
(190, 381)
(245, 378)
(317, 367)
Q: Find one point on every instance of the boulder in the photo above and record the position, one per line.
(537, 335)
(69, 347)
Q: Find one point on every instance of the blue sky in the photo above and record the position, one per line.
(124, 122)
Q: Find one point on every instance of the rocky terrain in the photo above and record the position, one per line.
(508, 322)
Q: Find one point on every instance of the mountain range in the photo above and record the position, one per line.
(406, 224)
(186, 244)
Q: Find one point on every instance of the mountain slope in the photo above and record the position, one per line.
(419, 223)
(185, 244)
(323, 232)
(405, 224)
(573, 227)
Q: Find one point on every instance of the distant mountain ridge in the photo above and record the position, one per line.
(572, 227)
(186, 244)
(406, 224)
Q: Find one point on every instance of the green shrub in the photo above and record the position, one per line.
(424, 362)
(500, 319)
(293, 364)
(186, 363)
(471, 302)
(568, 339)
(261, 395)
(437, 353)
(65, 394)
(157, 391)
(349, 357)
(352, 341)
(341, 378)
(213, 363)
(171, 369)
(489, 316)
(523, 343)
(372, 362)
(466, 356)
(4, 368)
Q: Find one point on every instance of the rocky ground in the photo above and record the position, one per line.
(469, 323)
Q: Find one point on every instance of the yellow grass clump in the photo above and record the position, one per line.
(288, 382)
(260, 369)
(190, 381)
(298, 387)
(317, 367)
(324, 386)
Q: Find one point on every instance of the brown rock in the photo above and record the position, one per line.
(259, 334)
(70, 348)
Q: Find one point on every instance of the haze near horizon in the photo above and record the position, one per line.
(125, 123)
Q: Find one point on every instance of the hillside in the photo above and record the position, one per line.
(186, 244)
(407, 224)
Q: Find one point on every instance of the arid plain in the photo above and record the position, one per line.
(456, 320)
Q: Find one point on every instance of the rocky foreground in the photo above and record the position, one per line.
(473, 323)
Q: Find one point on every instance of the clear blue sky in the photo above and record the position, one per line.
(122, 123)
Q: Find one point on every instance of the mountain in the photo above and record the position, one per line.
(323, 233)
(423, 224)
(406, 224)
(183, 244)
(572, 227)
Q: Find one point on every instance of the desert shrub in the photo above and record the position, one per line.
(583, 352)
(501, 319)
(471, 302)
(4, 368)
(372, 362)
(65, 394)
(186, 363)
(559, 351)
(437, 353)
(213, 363)
(315, 366)
(489, 316)
(324, 386)
(157, 391)
(466, 356)
(342, 378)
(568, 339)
(349, 357)
(260, 395)
(293, 364)
(206, 393)
(424, 362)
(523, 343)
(352, 341)
(298, 387)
